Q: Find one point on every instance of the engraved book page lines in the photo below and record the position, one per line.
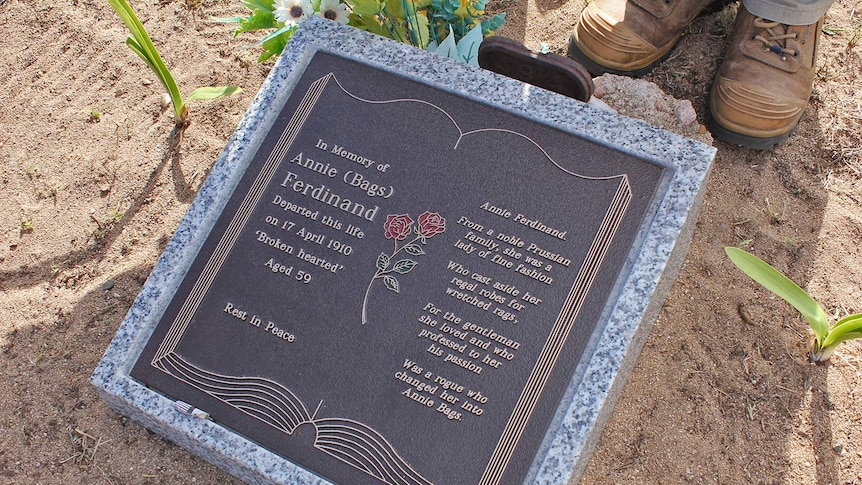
(556, 340)
(346, 440)
(239, 220)
(262, 398)
(462, 134)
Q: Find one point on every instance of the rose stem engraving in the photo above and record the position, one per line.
(398, 227)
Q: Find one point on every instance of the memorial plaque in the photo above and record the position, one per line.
(404, 270)
(403, 282)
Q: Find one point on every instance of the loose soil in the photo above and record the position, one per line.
(94, 182)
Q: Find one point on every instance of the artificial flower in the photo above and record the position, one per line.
(333, 10)
(292, 12)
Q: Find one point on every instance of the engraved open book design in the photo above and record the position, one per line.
(347, 440)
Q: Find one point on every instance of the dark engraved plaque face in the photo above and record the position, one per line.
(402, 284)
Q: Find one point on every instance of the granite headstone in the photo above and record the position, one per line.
(404, 270)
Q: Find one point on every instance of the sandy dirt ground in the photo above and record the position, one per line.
(93, 186)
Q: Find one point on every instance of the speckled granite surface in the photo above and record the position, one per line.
(614, 346)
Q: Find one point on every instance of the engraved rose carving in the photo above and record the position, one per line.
(430, 223)
(398, 227)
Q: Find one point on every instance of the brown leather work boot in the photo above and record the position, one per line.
(764, 84)
(629, 37)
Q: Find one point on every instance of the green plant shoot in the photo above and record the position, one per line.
(142, 45)
(823, 341)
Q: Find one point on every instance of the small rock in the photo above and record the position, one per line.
(105, 188)
(146, 82)
(684, 112)
(106, 286)
(166, 100)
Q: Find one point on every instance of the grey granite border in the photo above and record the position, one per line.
(614, 346)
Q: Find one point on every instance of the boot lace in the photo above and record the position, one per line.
(774, 36)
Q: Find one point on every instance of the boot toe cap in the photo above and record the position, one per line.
(753, 110)
(608, 41)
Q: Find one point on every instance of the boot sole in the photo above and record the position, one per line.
(597, 69)
(746, 141)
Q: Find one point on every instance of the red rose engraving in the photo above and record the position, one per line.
(389, 267)
(431, 223)
(398, 226)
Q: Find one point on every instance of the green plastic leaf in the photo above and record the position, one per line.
(849, 325)
(489, 26)
(448, 48)
(367, 7)
(419, 31)
(227, 20)
(391, 283)
(213, 92)
(468, 46)
(774, 281)
(382, 262)
(275, 42)
(274, 46)
(259, 19)
(414, 250)
(366, 23)
(369, 24)
(277, 33)
(404, 266)
(258, 4)
(395, 8)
